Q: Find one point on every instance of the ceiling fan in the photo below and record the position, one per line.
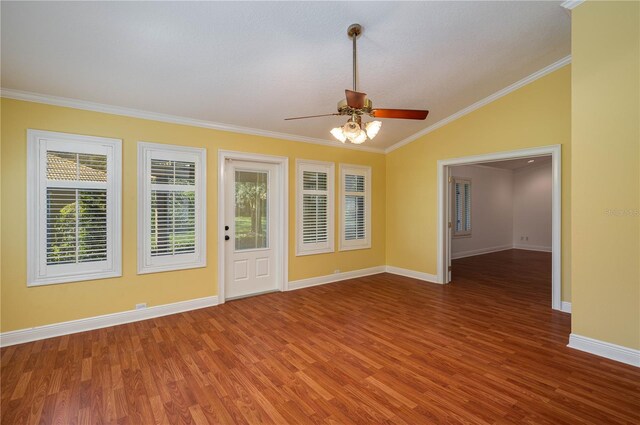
(357, 104)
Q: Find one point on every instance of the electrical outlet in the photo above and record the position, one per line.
(521, 238)
(336, 271)
(141, 306)
(526, 238)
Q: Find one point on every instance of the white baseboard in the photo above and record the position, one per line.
(532, 247)
(481, 251)
(97, 322)
(566, 307)
(336, 277)
(473, 252)
(605, 349)
(431, 278)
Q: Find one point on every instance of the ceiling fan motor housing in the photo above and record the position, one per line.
(344, 109)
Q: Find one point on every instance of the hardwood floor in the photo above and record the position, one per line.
(382, 349)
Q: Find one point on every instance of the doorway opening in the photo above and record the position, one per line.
(252, 224)
(455, 227)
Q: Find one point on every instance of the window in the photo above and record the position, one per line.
(171, 207)
(73, 207)
(462, 207)
(315, 211)
(355, 200)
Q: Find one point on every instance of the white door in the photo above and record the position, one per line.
(251, 200)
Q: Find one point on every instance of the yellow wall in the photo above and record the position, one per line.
(24, 307)
(537, 114)
(606, 171)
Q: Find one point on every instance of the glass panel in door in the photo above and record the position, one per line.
(251, 211)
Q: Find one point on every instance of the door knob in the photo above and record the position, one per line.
(226, 237)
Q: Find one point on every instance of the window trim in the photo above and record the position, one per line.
(146, 151)
(463, 233)
(322, 166)
(37, 270)
(366, 172)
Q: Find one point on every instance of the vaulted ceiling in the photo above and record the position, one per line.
(251, 64)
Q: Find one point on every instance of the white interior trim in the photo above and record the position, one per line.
(495, 96)
(173, 119)
(283, 220)
(97, 322)
(481, 251)
(329, 168)
(412, 274)
(360, 170)
(336, 277)
(147, 263)
(444, 249)
(571, 4)
(38, 271)
(539, 248)
(136, 113)
(605, 349)
(489, 250)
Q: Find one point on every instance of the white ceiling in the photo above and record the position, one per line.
(252, 64)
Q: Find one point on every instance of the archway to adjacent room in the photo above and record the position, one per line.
(444, 210)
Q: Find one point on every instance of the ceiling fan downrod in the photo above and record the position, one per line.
(354, 31)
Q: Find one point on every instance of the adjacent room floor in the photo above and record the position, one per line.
(381, 349)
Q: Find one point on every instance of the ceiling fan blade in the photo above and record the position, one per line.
(407, 114)
(355, 99)
(310, 116)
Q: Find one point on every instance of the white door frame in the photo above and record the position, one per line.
(444, 248)
(282, 181)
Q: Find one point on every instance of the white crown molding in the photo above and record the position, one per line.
(495, 96)
(97, 322)
(431, 278)
(572, 4)
(173, 119)
(615, 352)
(336, 277)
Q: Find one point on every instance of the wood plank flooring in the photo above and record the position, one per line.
(377, 350)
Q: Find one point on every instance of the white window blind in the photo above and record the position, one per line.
(462, 207)
(356, 207)
(171, 207)
(76, 217)
(74, 207)
(315, 207)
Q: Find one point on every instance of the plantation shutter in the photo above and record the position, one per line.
(315, 207)
(76, 207)
(354, 204)
(173, 208)
(74, 194)
(356, 207)
(462, 201)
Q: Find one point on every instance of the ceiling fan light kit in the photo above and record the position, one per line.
(357, 104)
(353, 131)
